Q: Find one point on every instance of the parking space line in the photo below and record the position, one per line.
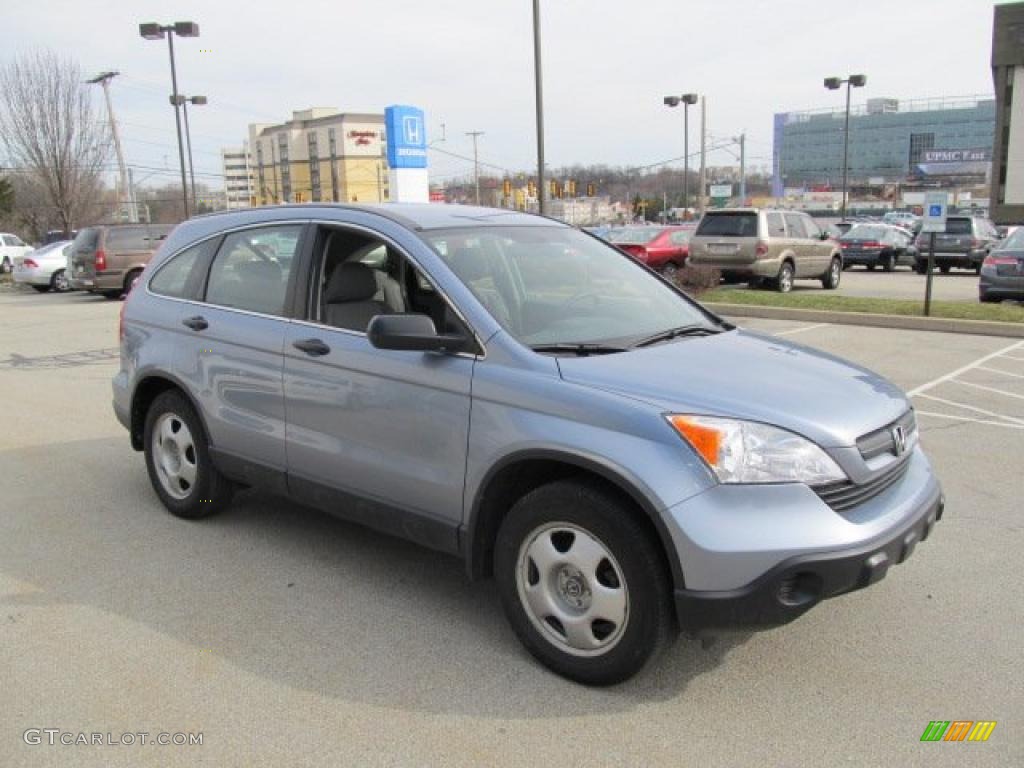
(801, 329)
(989, 389)
(953, 374)
(1013, 357)
(996, 370)
(969, 419)
(974, 408)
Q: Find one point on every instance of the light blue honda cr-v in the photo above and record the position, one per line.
(515, 392)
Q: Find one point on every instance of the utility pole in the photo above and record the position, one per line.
(539, 95)
(476, 163)
(743, 168)
(703, 152)
(104, 79)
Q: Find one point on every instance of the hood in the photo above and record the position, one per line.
(751, 376)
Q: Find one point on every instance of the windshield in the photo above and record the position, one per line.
(865, 232)
(633, 235)
(553, 285)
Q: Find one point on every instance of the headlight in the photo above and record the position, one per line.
(748, 452)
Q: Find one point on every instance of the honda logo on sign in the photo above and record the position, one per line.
(413, 129)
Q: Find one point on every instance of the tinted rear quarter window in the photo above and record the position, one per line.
(728, 225)
(956, 226)
(795, 225)
(172, 277)
(127, 239)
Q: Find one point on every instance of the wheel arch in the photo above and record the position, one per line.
(146, 391)
(521, 472)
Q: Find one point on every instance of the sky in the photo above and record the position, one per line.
(607, 64)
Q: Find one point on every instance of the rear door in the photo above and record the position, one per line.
(726, 239)
(819, 251)
(796, 241)
(83, 256)
(230, 353)
(958, 236)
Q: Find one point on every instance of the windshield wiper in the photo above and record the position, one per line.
(675, 333)
(581, 349)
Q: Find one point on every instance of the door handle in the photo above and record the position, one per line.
(197, 323)
(313, 347)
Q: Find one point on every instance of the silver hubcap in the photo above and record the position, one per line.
(836, 272)
(60, 281)
(572, 588)
(174, 456)
(786, 282)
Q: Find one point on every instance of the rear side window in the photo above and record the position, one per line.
(728, 225)
(776, 227)
(251, 269)
(958, 227)
(87, 239)
(127, 239)
(171, 279)
(795, 225)
(811, 227)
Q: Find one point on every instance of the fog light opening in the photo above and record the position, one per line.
(799, 589)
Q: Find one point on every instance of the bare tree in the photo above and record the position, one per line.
(50, 132)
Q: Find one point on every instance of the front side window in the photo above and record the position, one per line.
(811, 227)
(171, 279)
(555, 285)
(251, 269)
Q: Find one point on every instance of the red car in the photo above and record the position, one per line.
(662, 248)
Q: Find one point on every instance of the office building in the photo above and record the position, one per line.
(1007, 196)
(238, 191)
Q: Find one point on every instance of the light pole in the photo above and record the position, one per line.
(103, 79)
(152, 31)
(833, 84)
(183, 102)
(686, 100)
(539, 95)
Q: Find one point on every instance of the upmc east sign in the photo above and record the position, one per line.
(407, 137)
(955, 155)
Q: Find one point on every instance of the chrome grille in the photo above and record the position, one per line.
(881, 441)
(846, 495)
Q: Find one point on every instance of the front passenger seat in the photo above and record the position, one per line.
(349, 297)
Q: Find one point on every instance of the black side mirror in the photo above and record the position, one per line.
(411, 332)
(824, 236)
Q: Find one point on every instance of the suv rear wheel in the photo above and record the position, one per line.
(834, 274)
(178, 459)
(582, 583)
(784, 281)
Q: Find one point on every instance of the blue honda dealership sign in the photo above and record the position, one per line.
(407, 137)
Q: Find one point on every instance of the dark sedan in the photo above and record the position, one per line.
(1002, 271)
(876, 245)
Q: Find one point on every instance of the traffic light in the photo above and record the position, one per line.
(506, 188)
(556, 188)
(572, 187)
(531, 188)
(591, 189)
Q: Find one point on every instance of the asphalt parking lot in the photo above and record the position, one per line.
(287, 637)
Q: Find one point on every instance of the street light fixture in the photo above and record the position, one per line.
(833, 84)
(686, 100)
(183, 101)
(152, 31)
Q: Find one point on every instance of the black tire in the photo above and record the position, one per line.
(944, 268)
(59, 282)
(211, 491)
(129, 281)
(669, 271)
(977, 269)
(870, 267)
(41, 288)
(648, 624)
(112, 294)
(889, 263)
(830, 280)
(5, 266)
(921, 267)
(986, 299)
(784, 280)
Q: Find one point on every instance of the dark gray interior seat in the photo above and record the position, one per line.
(348, 298)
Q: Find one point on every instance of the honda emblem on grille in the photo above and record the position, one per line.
(899, 440)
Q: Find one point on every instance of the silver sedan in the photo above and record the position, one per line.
(44, 268)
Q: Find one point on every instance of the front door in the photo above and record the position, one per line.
(374, 435)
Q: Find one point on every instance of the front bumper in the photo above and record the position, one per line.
(793, 587)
